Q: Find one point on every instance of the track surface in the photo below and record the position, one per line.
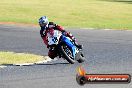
(105, 52)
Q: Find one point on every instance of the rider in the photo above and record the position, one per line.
(45, 26)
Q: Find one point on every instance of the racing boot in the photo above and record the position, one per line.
(79, 46)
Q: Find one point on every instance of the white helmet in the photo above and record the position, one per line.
(43, 21)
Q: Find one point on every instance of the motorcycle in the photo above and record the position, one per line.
(64, 47)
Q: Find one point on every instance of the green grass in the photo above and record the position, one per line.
(13, 58)
(116, 14)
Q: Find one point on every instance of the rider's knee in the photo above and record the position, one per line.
(52, 54)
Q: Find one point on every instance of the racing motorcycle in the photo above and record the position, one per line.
(64, 47)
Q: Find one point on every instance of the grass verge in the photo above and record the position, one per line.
(18, 58)
(114, 14)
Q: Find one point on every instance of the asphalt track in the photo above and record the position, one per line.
(106, 51)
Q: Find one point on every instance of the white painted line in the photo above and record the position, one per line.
(128, 30)
(3, 66)
(88, 28)
(47, 59)
(23, 64)
(107, 29)
(55, 59)
(39, 62)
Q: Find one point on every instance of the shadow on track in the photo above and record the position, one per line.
(52, 63)
(35, 64)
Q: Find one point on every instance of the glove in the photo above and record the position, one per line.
(73, 39)
(42, 35)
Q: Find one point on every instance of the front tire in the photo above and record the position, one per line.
(66, 54)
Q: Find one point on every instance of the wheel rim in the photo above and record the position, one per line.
(68, 51)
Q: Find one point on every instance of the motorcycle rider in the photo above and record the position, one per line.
(45, 26)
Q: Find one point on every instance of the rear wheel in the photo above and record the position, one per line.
(67, 54)
(81, 59)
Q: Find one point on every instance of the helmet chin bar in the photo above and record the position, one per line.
(43, 25)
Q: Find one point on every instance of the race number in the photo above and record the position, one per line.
(54, 39)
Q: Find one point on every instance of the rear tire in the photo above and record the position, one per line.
(81, 58)
(65, 55)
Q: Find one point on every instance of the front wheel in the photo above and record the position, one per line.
(67, 54)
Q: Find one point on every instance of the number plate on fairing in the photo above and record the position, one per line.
(54, 38)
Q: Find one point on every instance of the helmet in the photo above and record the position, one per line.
(43, 21)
